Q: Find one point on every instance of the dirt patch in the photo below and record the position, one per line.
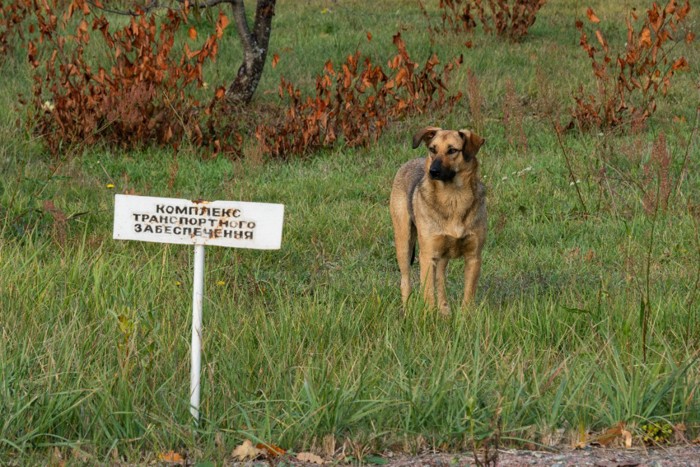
(591, 456)
(676, 456)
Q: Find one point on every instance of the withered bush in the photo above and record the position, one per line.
(13, 14)
(141, 97)
(356, 101)
(628, 83)
(510, 19)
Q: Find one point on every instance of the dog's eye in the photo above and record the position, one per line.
(432, 150)
(452, 151)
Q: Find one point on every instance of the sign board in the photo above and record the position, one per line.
(234, 224)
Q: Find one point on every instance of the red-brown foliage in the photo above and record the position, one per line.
(12, 17)
(142, 96)
(628, 83)
(356, 101)
(510, 19)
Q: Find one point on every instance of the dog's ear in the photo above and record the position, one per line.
(472, 142)
(424, 135)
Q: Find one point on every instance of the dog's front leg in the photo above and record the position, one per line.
(427, 275)
(440, 267)
(472, 269)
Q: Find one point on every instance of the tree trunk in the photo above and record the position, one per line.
(255, 43)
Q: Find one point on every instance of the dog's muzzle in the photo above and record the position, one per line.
(439, 172)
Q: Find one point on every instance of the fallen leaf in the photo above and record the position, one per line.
(592, 16)
(309, 457)
(679, 430)
(627, 437)
(171, 457)
(614, 434)
(270, 449)
(192, 33)
(247, 451)
(275, 60)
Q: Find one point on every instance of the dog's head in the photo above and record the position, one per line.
(449, 151)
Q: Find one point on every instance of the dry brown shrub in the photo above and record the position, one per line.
(142, 96)
(628, 83)
(13, 14)
(356, 101)
(510, 19)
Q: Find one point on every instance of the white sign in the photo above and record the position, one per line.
(222, 223)
(218, 223)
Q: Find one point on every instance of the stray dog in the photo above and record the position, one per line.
(440, 201)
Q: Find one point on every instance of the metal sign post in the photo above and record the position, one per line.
(196, 347)
(233, 224)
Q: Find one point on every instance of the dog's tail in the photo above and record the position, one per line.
(412, 243)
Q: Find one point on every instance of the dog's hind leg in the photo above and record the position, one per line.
(405, 242)
(405, 253)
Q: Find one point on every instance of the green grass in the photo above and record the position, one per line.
(309, 341)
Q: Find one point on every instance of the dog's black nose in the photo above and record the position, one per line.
(435, 169)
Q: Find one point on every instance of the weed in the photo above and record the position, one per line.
(656, 433)
(476, 102)
(513, 118)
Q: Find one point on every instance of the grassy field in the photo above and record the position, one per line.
(586, 314)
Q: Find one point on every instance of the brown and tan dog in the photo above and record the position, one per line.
(440, 201)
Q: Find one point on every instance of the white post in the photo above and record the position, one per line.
(197, 298)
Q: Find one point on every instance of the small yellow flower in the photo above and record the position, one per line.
(178, 283)
(220, 283)
(110, 185)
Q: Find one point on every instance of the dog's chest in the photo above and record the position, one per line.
(453, 247)
(454, 212)
(450, 217)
